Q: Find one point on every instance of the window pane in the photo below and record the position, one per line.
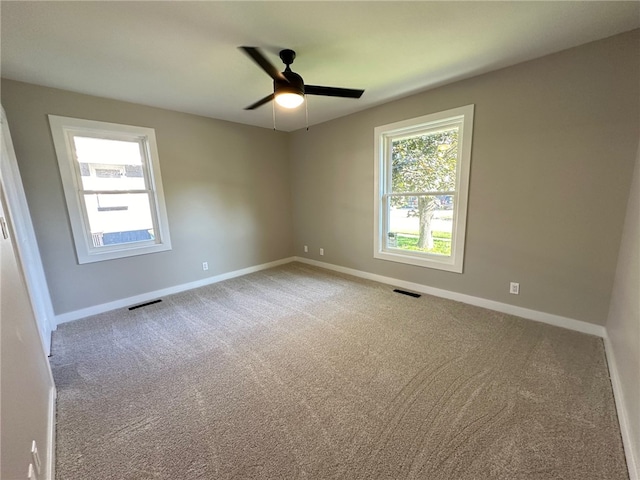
(425, 162)
(109, 164)
(119, 218)
(422, 223)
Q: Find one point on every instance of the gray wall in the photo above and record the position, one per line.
(553, 152)
(623, 324)
(227, 189)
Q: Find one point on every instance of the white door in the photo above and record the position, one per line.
(28, 393)
(27, 246)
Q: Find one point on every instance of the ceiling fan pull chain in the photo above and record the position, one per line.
(273, 109)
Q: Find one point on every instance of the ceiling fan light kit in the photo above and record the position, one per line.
(288, 93)
(289, 100)
(289, 89)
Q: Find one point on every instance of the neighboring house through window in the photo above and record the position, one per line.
(422, 182)
(113, 188)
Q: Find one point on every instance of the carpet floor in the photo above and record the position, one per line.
(301, 373)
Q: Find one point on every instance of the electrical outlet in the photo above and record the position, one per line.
(306, 249)
(31, 473)
(205, 265)
(321, 251)
(36, 457)
(514, 288)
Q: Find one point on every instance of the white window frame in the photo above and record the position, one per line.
(63, 129)
(384, 135)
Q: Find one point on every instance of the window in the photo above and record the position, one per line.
(422, 182)
(111, 179)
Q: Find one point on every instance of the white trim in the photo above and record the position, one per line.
(145, 297)
(27, 246)
(633, 463)
(63, 129)
(551, 319)
(529, 314)
(383, 137)
(51, 436)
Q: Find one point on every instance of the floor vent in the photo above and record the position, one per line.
(145, 304)
(411, 294)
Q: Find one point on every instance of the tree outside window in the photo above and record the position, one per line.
(426, 163)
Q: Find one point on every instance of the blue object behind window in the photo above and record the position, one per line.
(115, 238)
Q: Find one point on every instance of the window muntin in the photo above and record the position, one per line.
(111, 178)
(422, 174)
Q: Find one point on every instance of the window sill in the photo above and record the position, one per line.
(436, 262)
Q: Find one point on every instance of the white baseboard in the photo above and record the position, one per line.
(633, 462)
(527, 313)
(145, 297)
(51, 436)
(556, 320)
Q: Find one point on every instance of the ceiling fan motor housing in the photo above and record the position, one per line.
(295, 83)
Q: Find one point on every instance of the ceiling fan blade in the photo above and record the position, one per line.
(333, 91)
(265, 64)
(260, 102)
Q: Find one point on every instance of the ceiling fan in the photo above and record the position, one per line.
(289, 89)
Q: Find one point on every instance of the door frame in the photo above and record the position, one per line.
(26, 243)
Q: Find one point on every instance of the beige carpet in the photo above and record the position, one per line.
(300, 373)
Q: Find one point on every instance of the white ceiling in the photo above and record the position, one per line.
(183, 55)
